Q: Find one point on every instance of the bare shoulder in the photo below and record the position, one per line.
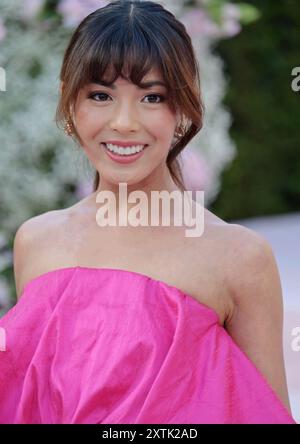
(252, 274)
(228, 252)
(256, 319)
(243, 246)
(33, 246)
(248, 252)
(234, 255)
(211, 218)
(244, 255)
(47, 242)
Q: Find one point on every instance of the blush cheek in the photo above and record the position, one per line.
(87, 128)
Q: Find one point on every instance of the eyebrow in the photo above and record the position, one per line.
(143, 85)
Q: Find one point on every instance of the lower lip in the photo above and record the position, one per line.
(125, 158)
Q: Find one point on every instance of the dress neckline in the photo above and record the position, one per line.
(120, 270)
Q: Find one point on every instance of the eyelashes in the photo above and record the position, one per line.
(93, 95)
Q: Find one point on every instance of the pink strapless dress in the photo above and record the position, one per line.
(103, 345)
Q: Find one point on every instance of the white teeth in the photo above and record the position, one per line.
(125, 151)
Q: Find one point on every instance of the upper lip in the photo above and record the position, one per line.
(130, 143)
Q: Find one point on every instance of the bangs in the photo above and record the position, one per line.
(125, 52)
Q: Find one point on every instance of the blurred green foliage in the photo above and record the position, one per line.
(264, 177)
(248, 13)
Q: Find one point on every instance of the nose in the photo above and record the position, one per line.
(124, 118)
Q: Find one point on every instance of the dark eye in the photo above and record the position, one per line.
(104, 95)
(156, 95)
(93, 95)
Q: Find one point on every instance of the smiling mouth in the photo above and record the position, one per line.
(125, 152)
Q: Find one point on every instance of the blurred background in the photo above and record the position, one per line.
(246, 157)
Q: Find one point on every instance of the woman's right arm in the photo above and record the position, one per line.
(35, 247)
(23, 241)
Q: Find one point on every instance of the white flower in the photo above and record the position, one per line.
(30, 8)
(198, 23)
(74, 11)
(231, 12)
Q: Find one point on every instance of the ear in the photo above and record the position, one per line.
(61, 87)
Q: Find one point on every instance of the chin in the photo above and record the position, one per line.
(130, 179)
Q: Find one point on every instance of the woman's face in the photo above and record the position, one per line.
(126, 113)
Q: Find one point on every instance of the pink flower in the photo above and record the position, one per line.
(31, 8)
(230, 28)
(230, 20)
(231, 12)
(198, 23)
(74, 11)
(194, 169)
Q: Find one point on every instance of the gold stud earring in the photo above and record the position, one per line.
(177, 133)
(180, 130)
(68, 127)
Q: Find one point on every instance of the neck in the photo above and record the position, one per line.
(122, 190)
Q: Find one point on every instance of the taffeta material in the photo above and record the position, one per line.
(102, 345)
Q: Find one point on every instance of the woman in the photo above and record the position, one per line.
(139, 323)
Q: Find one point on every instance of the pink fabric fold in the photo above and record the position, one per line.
(102, 345)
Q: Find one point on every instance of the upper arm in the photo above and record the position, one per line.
(256, 323)
(30, 250)
(22, 247)
(39, 246)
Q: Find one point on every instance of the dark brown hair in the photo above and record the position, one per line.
(128, 39)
